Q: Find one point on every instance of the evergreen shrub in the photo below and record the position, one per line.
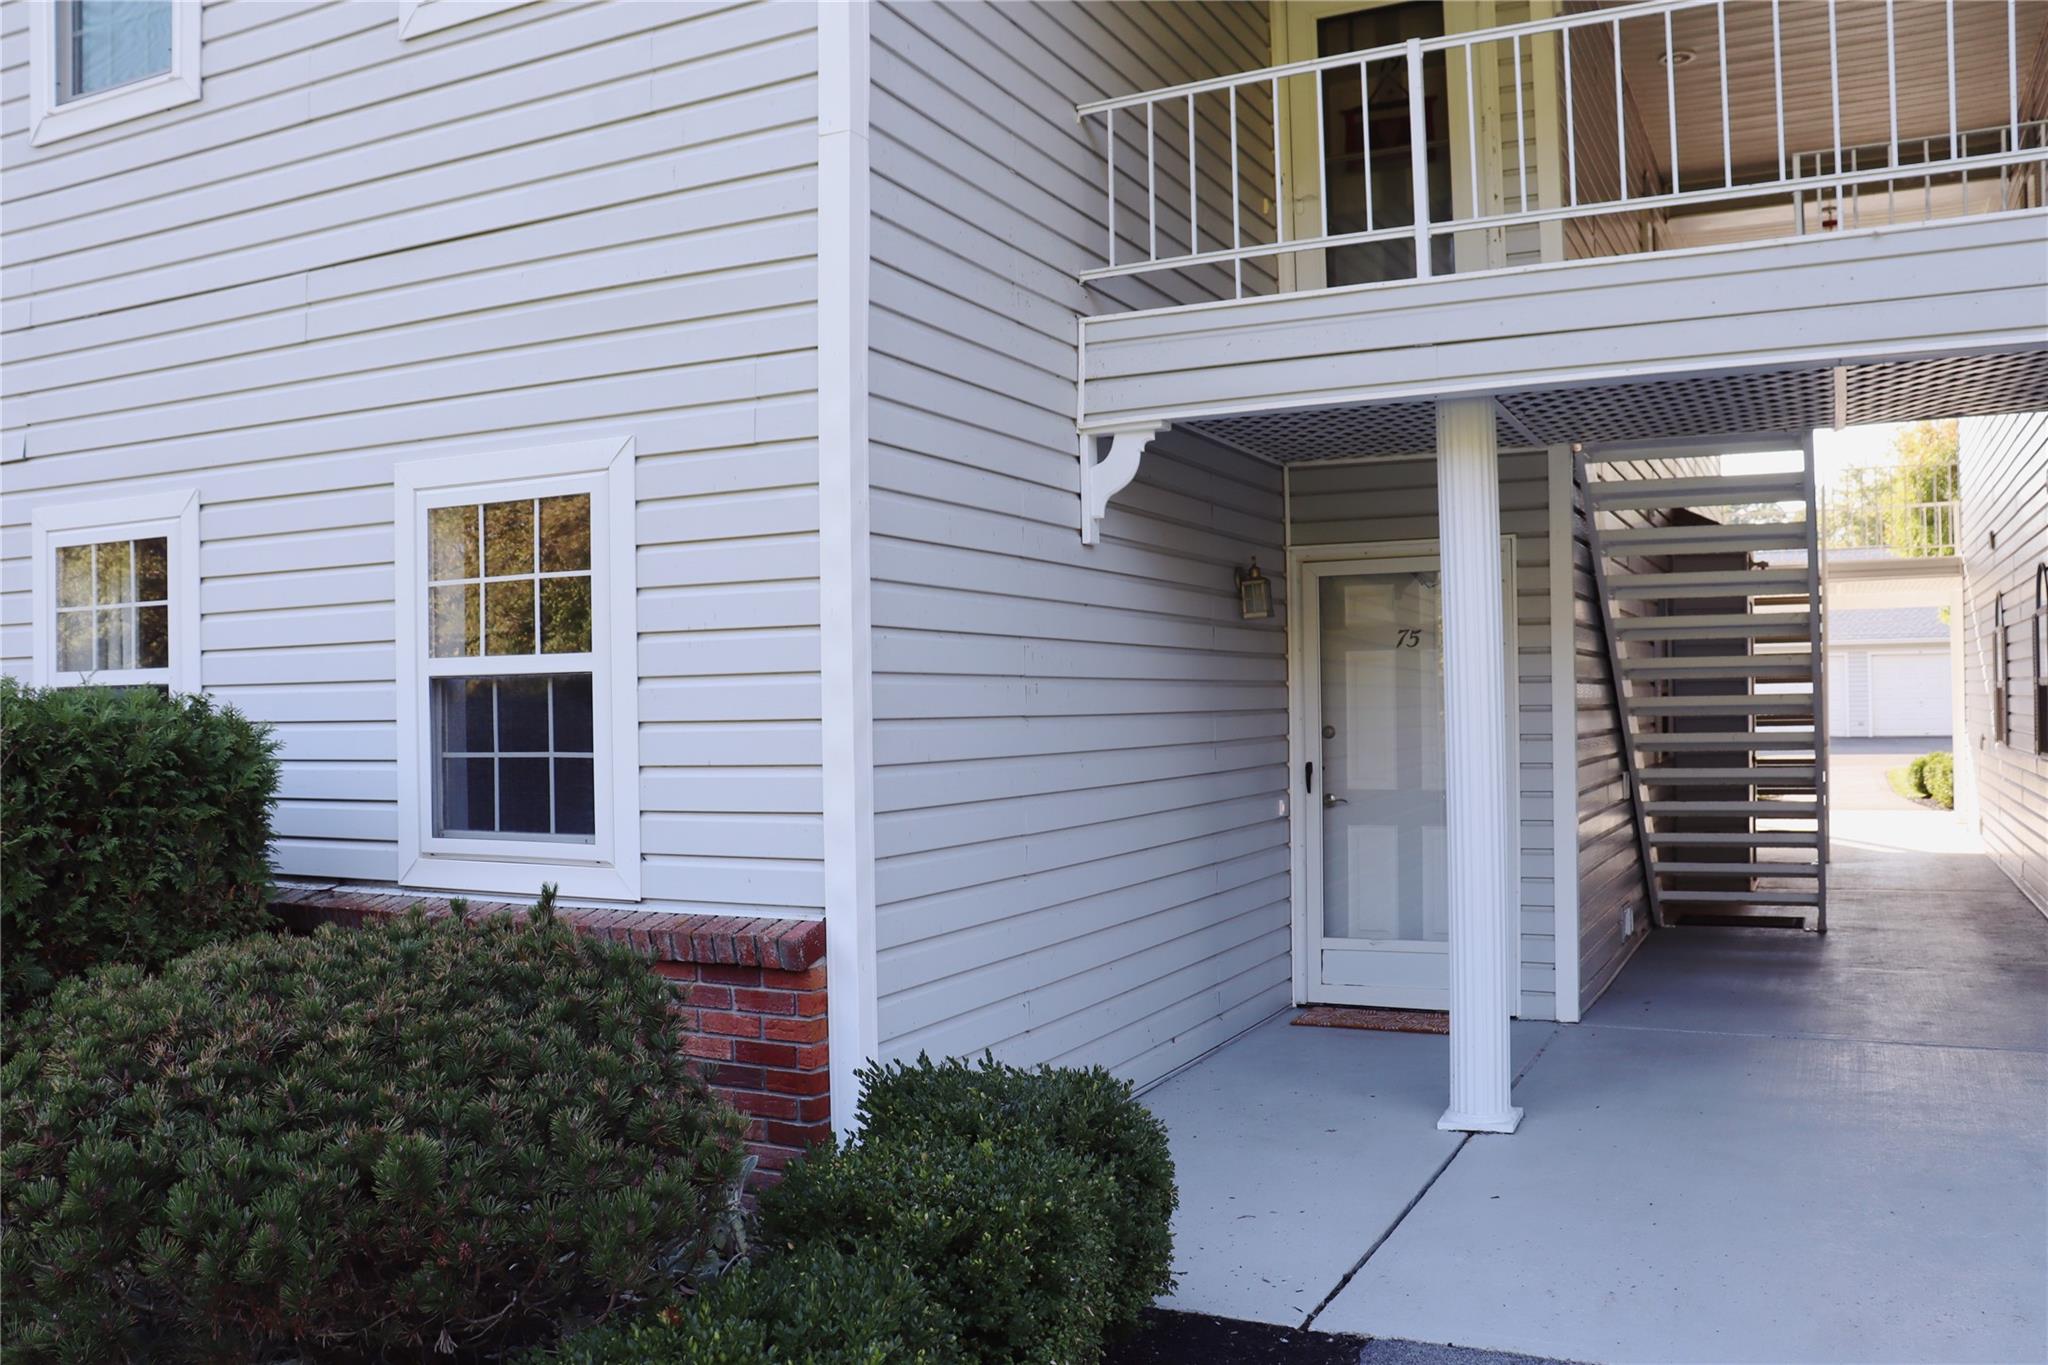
(136, 828)
(1087, 1113)
(422, 1138)
(1938, 775)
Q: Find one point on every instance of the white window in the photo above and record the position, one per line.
(518, 723)
(417, 18)
(116, 592)
(94, 63)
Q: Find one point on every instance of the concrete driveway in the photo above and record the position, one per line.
(1762, 1145)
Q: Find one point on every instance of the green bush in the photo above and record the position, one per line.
(1010, 1239)
(1938, 775)
(1916, 775)
(418, 1138)
(1089, 1114)
(816, 1306)
(137, 827)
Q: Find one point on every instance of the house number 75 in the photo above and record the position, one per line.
(1408, 639)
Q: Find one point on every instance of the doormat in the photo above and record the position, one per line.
(1380, 1020)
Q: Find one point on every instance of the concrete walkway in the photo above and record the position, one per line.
(1761, 1145)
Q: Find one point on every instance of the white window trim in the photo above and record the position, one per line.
(609, 868)
(173, 515)
(417, 18)
(50, 121)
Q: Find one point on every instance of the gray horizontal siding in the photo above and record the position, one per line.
(551, 224)
(1396, 500)
(2005, 492)
(1080, 752)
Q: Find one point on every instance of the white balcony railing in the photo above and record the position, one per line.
(1197, 177)
(1901, 510)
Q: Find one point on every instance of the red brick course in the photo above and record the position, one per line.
(751, 992)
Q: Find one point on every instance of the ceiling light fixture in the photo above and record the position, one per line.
(1678, 56)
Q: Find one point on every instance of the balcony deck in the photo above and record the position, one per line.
(1822, 195)
(1968, 294)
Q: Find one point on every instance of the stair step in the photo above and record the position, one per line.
(1747, 704)
(1708, 583)
(1740, 869)
(1775, 810)
(1740, 897)
(1693, 777)
(1754, 838)
(1777, 625)
(1794, 741)
(1784, 667)
(1716, 490)
(1699, 540)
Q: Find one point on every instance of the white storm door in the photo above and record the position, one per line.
(1377, 907)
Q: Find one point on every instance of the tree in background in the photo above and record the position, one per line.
(1920, 514)
(1906, 505)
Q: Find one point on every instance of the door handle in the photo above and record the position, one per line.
(1330, 801)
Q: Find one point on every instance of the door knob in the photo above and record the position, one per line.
(1330, 801)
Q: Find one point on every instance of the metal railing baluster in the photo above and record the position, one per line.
(1151, 187)
(1521, 129)
(1727, 147)
(1109, 128)
(1236, 213)
(1954, 128)
(1418, 158)
(1365, 137)
(1571, 141)
(1194, 193)
(1620, 122)
(1671, 101)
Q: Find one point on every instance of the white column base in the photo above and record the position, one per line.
(1454, 1122)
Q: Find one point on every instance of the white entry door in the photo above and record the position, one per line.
(1376, 905)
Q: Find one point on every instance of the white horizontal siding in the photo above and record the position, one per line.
(1384, 500)
(353, 251)
(1079, 752)
(2005, 493)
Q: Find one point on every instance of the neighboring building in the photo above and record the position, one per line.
(792, 475)
(2002, 756)
(1888, 673)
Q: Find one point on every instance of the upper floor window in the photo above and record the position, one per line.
(518, 725)
(115, 587)
(105, 44)
(100, 62)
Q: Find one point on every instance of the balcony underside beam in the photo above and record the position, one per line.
(1809, 305)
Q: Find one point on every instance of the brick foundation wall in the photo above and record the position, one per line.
(751, 991)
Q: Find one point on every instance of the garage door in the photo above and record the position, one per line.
(1909, 694)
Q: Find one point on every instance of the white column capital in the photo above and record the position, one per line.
(1482, 912)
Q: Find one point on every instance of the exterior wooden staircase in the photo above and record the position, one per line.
(1717, 660)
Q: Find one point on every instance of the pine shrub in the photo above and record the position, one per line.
(1938, 775)
(816, 1306)
(420, 1138)
(1916, 775)
(1010, 1239)
(1087, 1113)
(136, 828)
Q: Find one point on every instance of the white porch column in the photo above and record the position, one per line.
(1476, 769)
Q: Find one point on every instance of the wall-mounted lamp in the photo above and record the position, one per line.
(1254, 593)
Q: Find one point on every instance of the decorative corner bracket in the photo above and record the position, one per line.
(1109, 461)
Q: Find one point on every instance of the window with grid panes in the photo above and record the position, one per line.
(514, 753)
